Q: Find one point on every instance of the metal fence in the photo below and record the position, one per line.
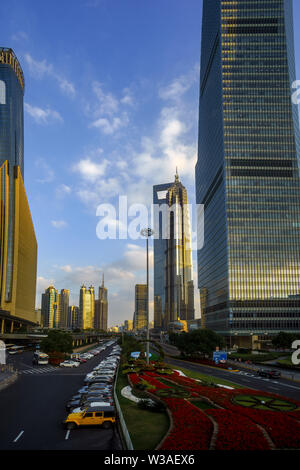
(124, 429)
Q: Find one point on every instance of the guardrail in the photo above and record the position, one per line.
(124, 429)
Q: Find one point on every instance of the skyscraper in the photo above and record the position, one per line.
(73, 317)
(173, 270)
(18, 250)
(140, 311)
(50, 311)
(64, 307)
(247, 174)
(101, 308)
(87, 307)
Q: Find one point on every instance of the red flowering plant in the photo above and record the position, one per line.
(192, 429)
(236, 432)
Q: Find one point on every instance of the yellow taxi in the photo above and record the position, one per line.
(92, 416)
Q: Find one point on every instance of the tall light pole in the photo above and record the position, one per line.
(147, 232)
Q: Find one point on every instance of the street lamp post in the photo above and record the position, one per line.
(147, 232)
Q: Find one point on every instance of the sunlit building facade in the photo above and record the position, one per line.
(50, 310)
(87, 307)
(140, 319)
(173, 269)
(18, 248)
(247, 174)
(101, 308)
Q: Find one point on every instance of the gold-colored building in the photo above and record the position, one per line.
(17, 303)
(140, 319)
(51, 308)
(18, 245)
(87, 307)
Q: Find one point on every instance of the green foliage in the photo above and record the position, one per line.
(57, 341)
(201, 341)
(284, 340)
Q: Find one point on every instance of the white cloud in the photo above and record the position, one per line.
(107, 102)
(59, 223)
(63, 190)
(39, 69)
(110, 126)
(42, 116)
(90, 170)
(180, 85)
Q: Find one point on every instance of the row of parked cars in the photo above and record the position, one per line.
(93, 404)
(78, 359)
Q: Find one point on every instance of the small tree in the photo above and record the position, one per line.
(57, 341)
(201, 341)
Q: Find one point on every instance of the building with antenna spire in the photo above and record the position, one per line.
(101, 308)
(173, 270)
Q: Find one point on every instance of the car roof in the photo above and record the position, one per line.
(100, 408)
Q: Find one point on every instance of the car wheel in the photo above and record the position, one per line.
(71, 426)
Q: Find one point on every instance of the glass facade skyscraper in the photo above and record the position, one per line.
(18, 247)
(247, 173)
(173, 271)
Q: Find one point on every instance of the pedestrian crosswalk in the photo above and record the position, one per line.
(37, 370)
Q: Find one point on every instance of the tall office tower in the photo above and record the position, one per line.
(50, 310)
(64, 307)
(173, 269)
(247, 174)
(87, 307)
(101, 309)
(140, 311)
(73, 317)
(18, 248)
(128, 325)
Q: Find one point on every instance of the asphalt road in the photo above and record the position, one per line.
(32, 409)
(246, 378)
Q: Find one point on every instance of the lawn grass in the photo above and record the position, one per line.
(146, 428)
(257, 357)
(203, 405)
(207, 378)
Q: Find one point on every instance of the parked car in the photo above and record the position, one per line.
(97, 415)
(69, 363)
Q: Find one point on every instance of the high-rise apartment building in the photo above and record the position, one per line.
(101, 308)
(73, 317)
(87, 307)
(18, 248)
(173, 270)
(247, 174)
(140, 319)
(50, 310)
(64, 307)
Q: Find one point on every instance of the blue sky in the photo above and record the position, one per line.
(111, 104)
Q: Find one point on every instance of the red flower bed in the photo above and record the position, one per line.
(237, 424)
(192, 429)
(237, 432)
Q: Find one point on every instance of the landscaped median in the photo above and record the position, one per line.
(203, 415)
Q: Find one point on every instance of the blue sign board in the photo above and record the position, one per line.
(219, 356)
(136, 354)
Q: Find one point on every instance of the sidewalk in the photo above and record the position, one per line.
(7, 376)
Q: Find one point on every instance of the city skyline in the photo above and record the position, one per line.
(83, 130)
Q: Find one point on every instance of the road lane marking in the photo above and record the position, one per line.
(67, 435)
(18, 436)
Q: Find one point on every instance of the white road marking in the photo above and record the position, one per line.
(67, 435)
(18, 436)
